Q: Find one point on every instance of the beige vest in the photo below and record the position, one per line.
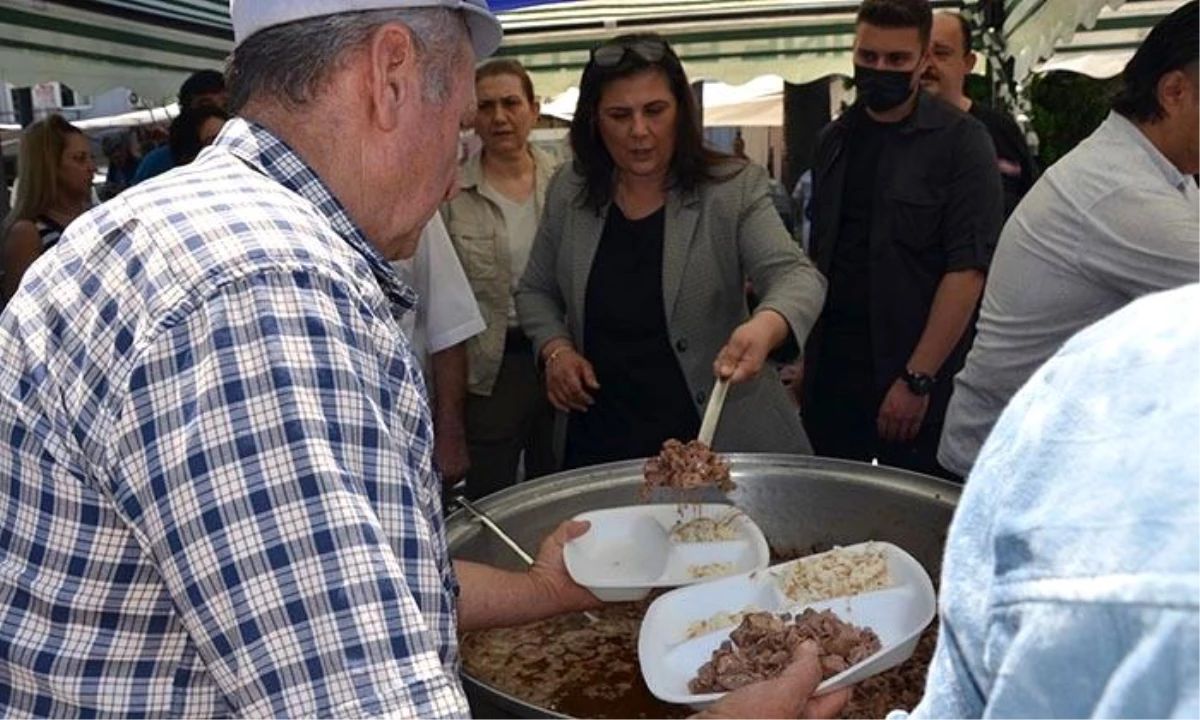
(480, 238)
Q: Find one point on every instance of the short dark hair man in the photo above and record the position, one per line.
(951, 60)
(203, 87)
(907, 208)
(1115, 219)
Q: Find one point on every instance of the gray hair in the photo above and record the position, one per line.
(291, 63)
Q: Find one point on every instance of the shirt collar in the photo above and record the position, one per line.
(927, 114)
(270, 155)
(1118, 124)
(470, 173)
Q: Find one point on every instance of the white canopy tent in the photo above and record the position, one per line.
(758, 103)
(136, 118)
(151, 45)
(147, 45)
(1091, 37)
(734, 41)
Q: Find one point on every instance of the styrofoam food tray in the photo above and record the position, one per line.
(629, 550)
(669, 658)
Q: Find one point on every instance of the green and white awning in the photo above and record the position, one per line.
(733, 41)
(147, 45)
(150, 46)
(1093, 37)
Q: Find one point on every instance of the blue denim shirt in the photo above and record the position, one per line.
(1070, 584)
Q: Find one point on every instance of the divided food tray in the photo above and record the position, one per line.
(682, 628)
(630, 550)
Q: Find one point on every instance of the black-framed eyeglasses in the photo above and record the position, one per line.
(612, 54)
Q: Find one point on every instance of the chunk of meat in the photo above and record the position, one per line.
(686, 467)
(762, 646)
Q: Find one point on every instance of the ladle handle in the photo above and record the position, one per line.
(487, 521)
(466, 504)
(712, 412)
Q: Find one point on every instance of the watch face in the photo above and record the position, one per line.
(919, 384)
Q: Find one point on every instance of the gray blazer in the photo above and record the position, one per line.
(716, 236)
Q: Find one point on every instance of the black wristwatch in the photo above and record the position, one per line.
(919, 384)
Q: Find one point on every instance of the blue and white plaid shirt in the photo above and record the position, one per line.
(217, 494)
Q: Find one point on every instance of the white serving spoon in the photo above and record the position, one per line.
(712, 412)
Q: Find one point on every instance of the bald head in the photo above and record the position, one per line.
(951, 58)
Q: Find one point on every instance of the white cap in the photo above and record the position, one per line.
(250, 16)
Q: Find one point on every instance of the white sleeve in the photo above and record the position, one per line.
(452, 315)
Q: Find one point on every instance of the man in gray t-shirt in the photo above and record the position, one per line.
(1117, 218)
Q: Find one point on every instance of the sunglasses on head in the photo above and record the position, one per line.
(612, 54)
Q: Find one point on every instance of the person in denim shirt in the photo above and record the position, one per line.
(1070, 586)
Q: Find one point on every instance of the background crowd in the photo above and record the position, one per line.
(349, 304)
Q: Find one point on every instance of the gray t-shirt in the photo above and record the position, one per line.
(1110, 222)
(520, 221)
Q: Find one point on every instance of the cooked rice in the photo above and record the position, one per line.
(706, 529)
(717, 569)
(720, 621)
(838, 573)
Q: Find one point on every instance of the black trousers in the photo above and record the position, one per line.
(515, 419)
(840, 419)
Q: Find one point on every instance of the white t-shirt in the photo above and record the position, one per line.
(521, 221)
(446, 310)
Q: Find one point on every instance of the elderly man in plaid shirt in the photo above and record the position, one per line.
(217, 494)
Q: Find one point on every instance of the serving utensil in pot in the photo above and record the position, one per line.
(802, 503)
(491, 525)
(712, 412)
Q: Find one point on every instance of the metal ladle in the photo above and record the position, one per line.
(491, 525)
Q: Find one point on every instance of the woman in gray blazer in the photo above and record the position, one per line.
(634, 291)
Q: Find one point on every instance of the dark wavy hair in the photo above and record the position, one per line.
(201, 82)
(185, 131)
(691, 165)
(1172, 45)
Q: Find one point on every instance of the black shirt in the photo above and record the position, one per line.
(938, 208)
(848, 306)
(643, 398)
(1018, 170)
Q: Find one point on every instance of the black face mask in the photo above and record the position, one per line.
(883, 90)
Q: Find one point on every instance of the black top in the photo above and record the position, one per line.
(848, 305)
(49, 231)
(1018, 169)
(643, 398)
(849, 300)
(937, 208)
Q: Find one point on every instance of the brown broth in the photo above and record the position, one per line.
(569, 666)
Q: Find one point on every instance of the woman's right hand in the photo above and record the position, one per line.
(570, 378)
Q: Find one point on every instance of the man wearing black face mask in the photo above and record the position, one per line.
(907, 208)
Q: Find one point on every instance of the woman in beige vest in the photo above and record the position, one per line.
(492, 223)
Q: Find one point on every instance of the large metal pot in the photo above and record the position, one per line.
(801, 503)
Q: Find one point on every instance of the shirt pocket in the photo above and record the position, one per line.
(916, 215)
(476, 245)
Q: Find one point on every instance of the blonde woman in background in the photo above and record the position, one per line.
(492, 223)
(54, 186)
